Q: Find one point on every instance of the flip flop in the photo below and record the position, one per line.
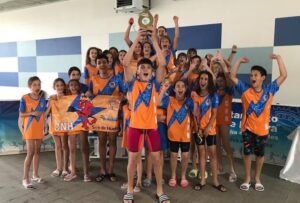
(172, 182)
(70, 177)
(245, 186)
(37, 180)
(232, 177)
(56, 173)
(112, 177)
(87, 179)
(100, 178)
(137, 188)
(128, 197)
(199, 187)
(64, 173)
(162, 198)
(184, 183)
(259, 187)
(28, 186)
(220, 187)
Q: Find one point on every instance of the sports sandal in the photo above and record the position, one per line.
(100, 178)
(193, 173)
(199, 187)
(37, 180)
(232, 177)
(259, 187)
(112, 177)
(27, 186)
(128, 198)
(64, 173)
(245, 186)
(172, 182)
(220, 187)
(70, 177)
(147, 182)
(137, 188)
(162, 198)
(55, 173)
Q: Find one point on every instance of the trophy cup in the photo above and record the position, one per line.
(146, 20)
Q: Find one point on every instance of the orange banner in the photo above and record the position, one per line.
(75, 113)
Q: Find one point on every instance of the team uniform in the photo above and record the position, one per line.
(126, 120)
(118, 68)
(32, 126)
(178, 122)
(225, 106)
(205, 105)
(143, 120)
(162, 129)
(89, 72)
(256, 115)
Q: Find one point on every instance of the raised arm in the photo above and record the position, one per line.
(128, 74)
(282, 69)
(127, 32)
(233, 52)
(234, 70)
(162, 92)
(224, 68)
(176, 35)
(193, 66)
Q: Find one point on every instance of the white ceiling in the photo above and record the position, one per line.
(8, 5)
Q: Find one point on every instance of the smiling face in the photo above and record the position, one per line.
(59, 86)
(35, 87)
(164, 43)
(102, 64)
(121, 56)
(75, 75)
(110, 58)
(146, 48)
(161, 32)
(145, 72)
(138, 49)
(74, 87)
(203, 82)
(180, 90)
(182, 59)
(256, 79)
(93, 54)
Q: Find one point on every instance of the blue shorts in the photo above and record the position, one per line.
(254, 144)
(163, 134)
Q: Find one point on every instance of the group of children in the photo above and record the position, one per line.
(170, 103)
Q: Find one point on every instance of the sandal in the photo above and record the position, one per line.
(37, 180)
(112, 177)
(100, 178)
(55, 173)
(147, 182)
(184, 183)
(128, 197)
(137, 188)
(162, 198)
(70, 177)
(124, 186)
(259, 187)
(220, 187)
(232, 177)
(172, 182)
(193, 173)
(245, 186)
(199, 187)
(64, 173)
(87, 178)
(27, 186)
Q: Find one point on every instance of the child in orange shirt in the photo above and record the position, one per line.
(90, 69)
(179, 109)
(32, 108)
(256, 101)
(60, 139)
(206, 107)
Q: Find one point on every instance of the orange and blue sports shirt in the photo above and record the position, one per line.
(205, 105)
(225, 106)
(178, 118)
(32, 126)
(126, 120)
(110, 86)
(256, 107)
(143, 99)
(89, 72)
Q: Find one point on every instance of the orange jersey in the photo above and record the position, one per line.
(110, 86)
(32, 126)
(193, 76)
(205, 105)
(225, 106)
(256, 107)
(89, 72)
(118, 69)
(178, 118)
(161, 115)
(143, 96)
(126, 120)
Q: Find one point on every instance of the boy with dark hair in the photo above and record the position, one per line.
(256, 101)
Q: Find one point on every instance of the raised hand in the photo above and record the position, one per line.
(175, 18)
(130, 21)
(234, 48)
(274, 56)
(243, 60)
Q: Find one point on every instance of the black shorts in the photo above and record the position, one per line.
(210, 140)
(184, 146)
(254, 144)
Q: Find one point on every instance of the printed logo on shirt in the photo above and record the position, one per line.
(207, 102)
(112, 84)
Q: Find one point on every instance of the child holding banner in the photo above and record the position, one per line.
(32, 108)
(256, 101)
(60, 139)
(106, 83)
(143, 91)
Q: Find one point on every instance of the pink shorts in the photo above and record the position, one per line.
(137, 137)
